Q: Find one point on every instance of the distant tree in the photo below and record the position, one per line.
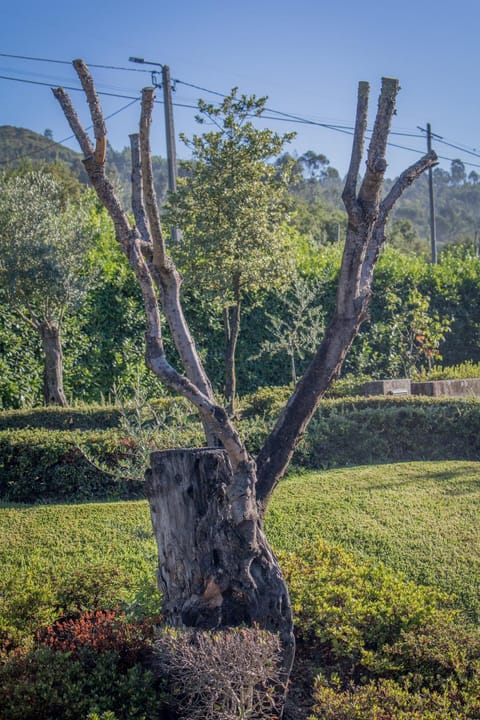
(232, 211)
(404, 236)
(473, 177)
(43, 240)
(48, 134)
(457, 172)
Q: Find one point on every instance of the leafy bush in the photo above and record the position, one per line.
(387, 648)
(366, 431)
(85, 417)
(352, 610)
(49, 465)
(463, 371)
(91, 664)
(101, 631)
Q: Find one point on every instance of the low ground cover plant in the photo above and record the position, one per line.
(372, 644)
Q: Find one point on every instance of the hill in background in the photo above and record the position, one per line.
(20, 145)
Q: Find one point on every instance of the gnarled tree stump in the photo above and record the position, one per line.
(213, 572)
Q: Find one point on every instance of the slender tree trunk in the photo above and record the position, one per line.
(216, 568)
(231, 319)
(53, 364)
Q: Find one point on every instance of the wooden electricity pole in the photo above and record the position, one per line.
(433, 229)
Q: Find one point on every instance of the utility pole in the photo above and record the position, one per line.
(433, 230)
(166, 85)
(169, 129)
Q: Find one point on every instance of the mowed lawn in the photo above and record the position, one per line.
(419, 518)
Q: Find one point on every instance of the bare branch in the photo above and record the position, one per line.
(370, 190)
(378, 239)
(137, 192)
(349, 195)
(404, 181)
(149, 194)
(99, 128)
(70, 113)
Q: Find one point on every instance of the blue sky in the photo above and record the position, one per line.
(307, 56)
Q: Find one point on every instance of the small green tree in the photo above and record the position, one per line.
(298, 328)
(43, 240)
(233, 214)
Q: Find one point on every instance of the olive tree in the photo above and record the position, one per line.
(43, 241)
(207, 505)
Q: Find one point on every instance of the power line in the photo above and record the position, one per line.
(68, 62)
(278, 115)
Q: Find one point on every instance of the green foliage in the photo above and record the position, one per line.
(463, 371)
(352, 610)
(47, 684)
(387, 648)
(297, 330)
(107, 557)
(230, 207)
(420, 519)
(45, 465)
(361, 431)
(43, 241)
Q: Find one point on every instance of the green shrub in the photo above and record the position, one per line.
(38, 465)
(367, 431)
(43, 684)
(387, 648)
(92, 663)
(352, 609)
(87, 417)
(463, 371)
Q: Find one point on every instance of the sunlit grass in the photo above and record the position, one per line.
(418, 518)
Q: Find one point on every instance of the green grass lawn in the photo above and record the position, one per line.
(420, 518)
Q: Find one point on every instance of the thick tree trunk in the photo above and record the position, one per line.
(216, 568)
(53, 364)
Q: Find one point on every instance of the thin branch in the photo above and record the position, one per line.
(378, 239)
(32, 321)
(407, 177)
(99, 128)
(95, 167)
(70, 113)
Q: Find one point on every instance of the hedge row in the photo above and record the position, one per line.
(39, 464)
(46, 465)
(368, 431)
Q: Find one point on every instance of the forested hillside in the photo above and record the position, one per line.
(315, 187)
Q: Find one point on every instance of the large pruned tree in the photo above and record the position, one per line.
(216, 567)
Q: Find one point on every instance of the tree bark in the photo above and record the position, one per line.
(53, 364)
(216, 568)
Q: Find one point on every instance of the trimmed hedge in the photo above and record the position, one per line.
(364, 431)
(39, 465)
